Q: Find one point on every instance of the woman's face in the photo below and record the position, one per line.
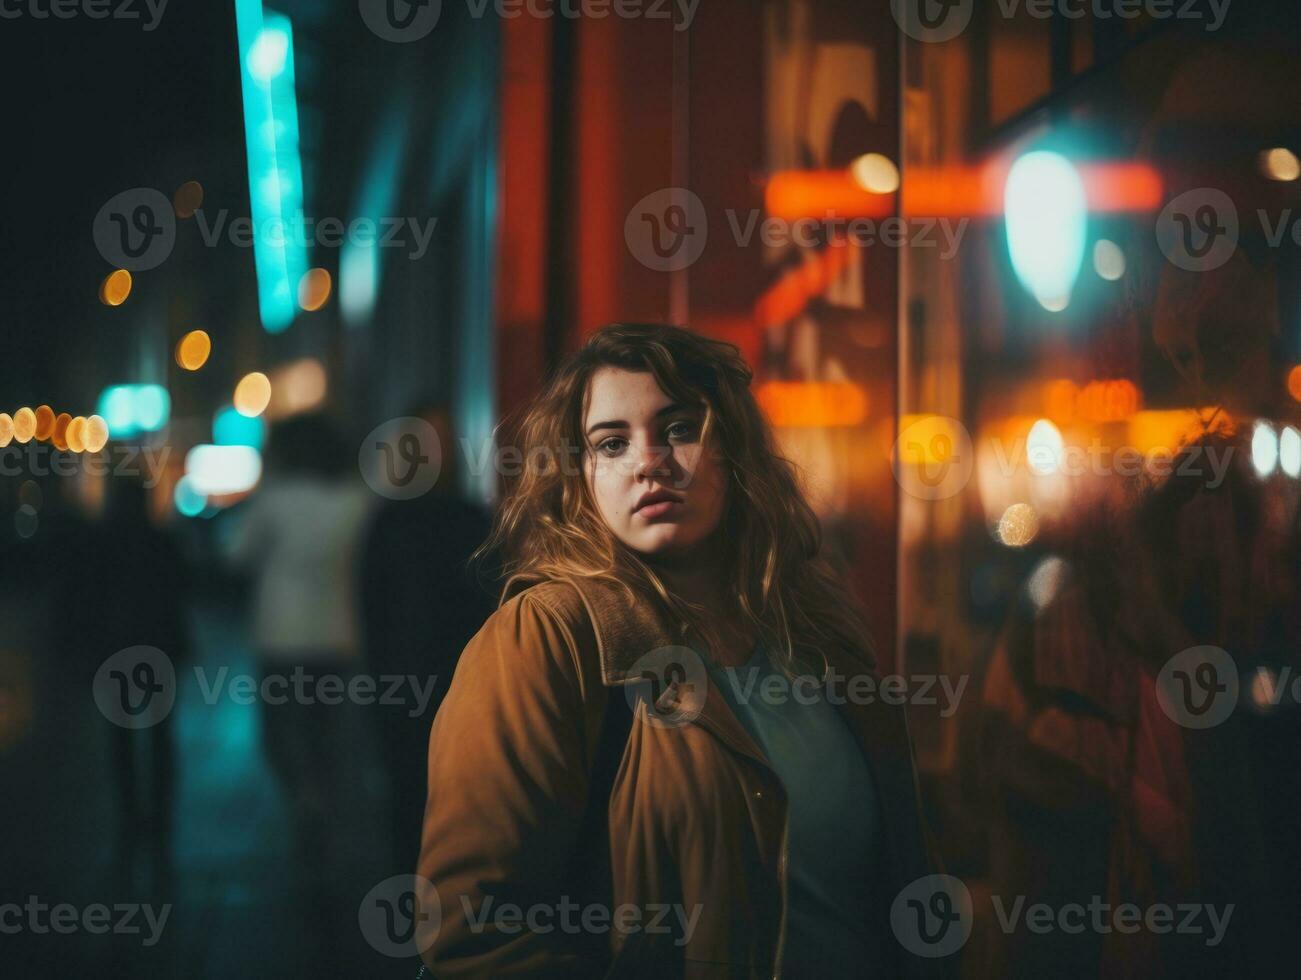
(655, 486)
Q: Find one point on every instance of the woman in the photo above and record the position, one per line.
(659, 553)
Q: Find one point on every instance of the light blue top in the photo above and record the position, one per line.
(833, 817)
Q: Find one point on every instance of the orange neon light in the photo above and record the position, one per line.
(820, 404)
(948, 192)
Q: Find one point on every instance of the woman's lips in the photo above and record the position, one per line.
(658, 509)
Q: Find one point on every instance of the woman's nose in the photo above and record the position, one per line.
(652, 461)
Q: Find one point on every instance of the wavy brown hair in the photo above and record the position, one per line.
(548, 526)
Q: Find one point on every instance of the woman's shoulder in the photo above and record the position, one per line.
(546, 622)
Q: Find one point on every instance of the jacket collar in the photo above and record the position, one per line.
(627, 630)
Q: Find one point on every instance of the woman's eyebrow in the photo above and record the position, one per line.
(621, 424)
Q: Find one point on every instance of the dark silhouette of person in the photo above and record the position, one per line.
(421, 604)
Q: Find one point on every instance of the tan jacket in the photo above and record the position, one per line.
(691, 880)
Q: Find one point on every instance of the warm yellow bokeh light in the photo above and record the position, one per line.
(875, 173)
(298, 386)
(6, 429)
(1018, 525)
(96, 434)
(193, 349)
(314, 289)
(76, 434)
(187, 199)
(44, 423)
(252, 394)
(1280, 163)
(24, 424)
(115, 288)
(60, 434)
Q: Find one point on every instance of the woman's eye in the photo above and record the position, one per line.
(681, 430)
(612, 446)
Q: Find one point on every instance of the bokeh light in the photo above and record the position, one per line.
(1264, 448)
(1294, 382)
(187, 199)
(298, 386)
(25, 521)
(1108, 259)
(1289, 451)
(6, 429)
(875, 173)
(232, 428)
(115, 288)
(59, 434)
(1047, 220)
(1280, 163)
(1018, 525)
(96, 434)
(24, 424)
(193, 349)
(189, 501)
(44, 422)
(252, 394)
(314, 289)
(75, 436)
(1044, 447)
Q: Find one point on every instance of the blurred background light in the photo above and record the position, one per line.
(193, 350)
(1108, 259)
(1044, 447)
(231, 428)
(1280, 163)
(115, 288)
(216, 470)
(875, 173)
(298, 386)
(96, 434)
(1264, 448)
(187, 199)
(252, 394)
(1046, 212)
(44, 422)
(59, 434)
(25, 521)
(812, 404)
(1018, 525)
(1289, 451)
(131, 409)
(1294, 382)
(275, 171)
(314, 289)
(76, 434)
(24, 424)
(6, 429)
(189, 502)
